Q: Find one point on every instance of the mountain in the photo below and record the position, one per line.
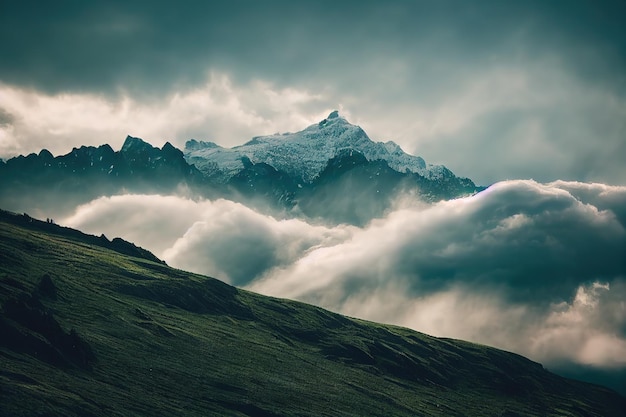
(92, 330)
(330, 171)
(304, 155)
(42, 182)
(136, 161)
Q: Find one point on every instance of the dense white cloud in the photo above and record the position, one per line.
(515, 235)
(533, 268)
(238, 245)
(152, 221)
(217, 110)
(220, 238)
(587, 329)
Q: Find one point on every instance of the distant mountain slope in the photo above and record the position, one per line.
(44, 183)
(352, 189)
(90, 331)
(136, 162)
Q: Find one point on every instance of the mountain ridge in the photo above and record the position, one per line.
(285, 172)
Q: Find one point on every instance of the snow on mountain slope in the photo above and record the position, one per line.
(304, 154)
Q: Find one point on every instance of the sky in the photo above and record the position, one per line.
(527, 95)
(493, 90)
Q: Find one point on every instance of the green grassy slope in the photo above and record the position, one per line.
(88, 330)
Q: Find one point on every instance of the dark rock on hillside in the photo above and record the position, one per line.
(27, 326)
(46, 287)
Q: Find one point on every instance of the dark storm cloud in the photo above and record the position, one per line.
(159, 44)
(6, 118)
(537, 241)
(529, 241)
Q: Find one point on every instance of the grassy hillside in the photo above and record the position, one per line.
(92, 328)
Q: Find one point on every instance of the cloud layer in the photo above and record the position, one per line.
(216, 110)
(535, 268)
(219, 238)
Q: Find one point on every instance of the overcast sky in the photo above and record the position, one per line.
(492, 89)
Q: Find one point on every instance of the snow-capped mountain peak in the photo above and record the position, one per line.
(304, 154)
